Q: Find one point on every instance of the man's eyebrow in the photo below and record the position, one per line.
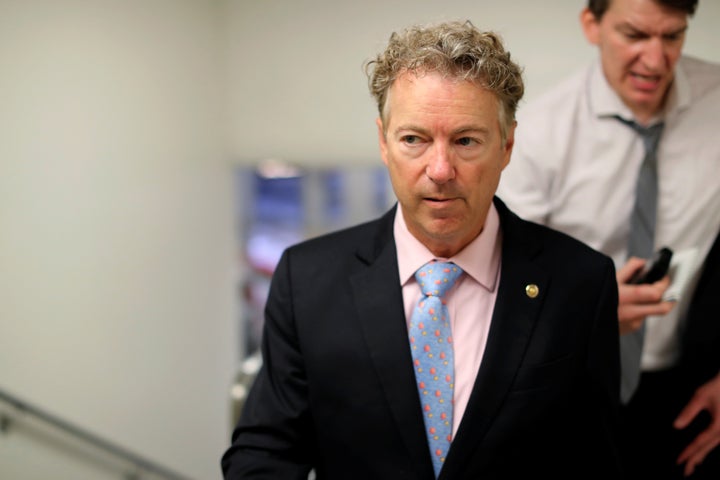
(457, 131)
(410, 127)
(470, 129)
(677, 32)
(629, 27)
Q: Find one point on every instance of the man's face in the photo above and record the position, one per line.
(640, 42)
(442, 146)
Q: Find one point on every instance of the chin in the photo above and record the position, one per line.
(444, 229)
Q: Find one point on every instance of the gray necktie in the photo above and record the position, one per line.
(640, 244)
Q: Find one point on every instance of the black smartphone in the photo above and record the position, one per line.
(655, 268)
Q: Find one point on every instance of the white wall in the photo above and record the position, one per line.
(116, 224)
(117, 137)
(297, 89)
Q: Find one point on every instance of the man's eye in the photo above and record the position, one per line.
(635, 36)
(410, 139)
(466, 141)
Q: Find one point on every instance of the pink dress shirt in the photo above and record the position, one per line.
(470, 302)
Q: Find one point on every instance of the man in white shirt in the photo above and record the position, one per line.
(575, 167)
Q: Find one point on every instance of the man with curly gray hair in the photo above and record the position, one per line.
(452, 49)
(449, 338)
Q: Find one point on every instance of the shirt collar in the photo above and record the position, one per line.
(480, 259)
(680, 92)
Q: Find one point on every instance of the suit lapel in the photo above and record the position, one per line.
(378, 301)
(514, 317)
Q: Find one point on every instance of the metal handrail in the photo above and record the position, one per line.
(240, 388)
(84, 435)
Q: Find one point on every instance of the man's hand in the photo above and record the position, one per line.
(638, 301)
(707, 397)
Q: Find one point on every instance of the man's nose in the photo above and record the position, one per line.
(440, 167)
(654, 54)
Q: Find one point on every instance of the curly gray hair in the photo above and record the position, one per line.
(453, 49)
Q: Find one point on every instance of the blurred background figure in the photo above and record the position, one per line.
(634, 135)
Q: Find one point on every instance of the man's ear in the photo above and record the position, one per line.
(382, 140)
(509, 143)
(590, 26)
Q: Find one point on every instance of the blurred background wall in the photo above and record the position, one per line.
(117, 251)
(297, 89)
(121, 125)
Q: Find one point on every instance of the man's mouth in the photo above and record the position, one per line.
(645, 82)
(439, 201)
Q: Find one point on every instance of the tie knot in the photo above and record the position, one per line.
(650, 135)
(436, 278)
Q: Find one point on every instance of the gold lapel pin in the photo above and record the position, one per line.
(532, 290)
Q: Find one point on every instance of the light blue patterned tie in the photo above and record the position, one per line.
(432, 353)
(640, 244)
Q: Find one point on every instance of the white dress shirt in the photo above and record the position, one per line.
(574, 168)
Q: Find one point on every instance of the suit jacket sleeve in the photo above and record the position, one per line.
(271, 440)
(603, 384)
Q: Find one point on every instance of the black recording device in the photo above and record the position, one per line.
(655, 268)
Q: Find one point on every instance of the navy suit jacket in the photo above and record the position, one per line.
(337, 391)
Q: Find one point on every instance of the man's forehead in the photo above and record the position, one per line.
(646, 14)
